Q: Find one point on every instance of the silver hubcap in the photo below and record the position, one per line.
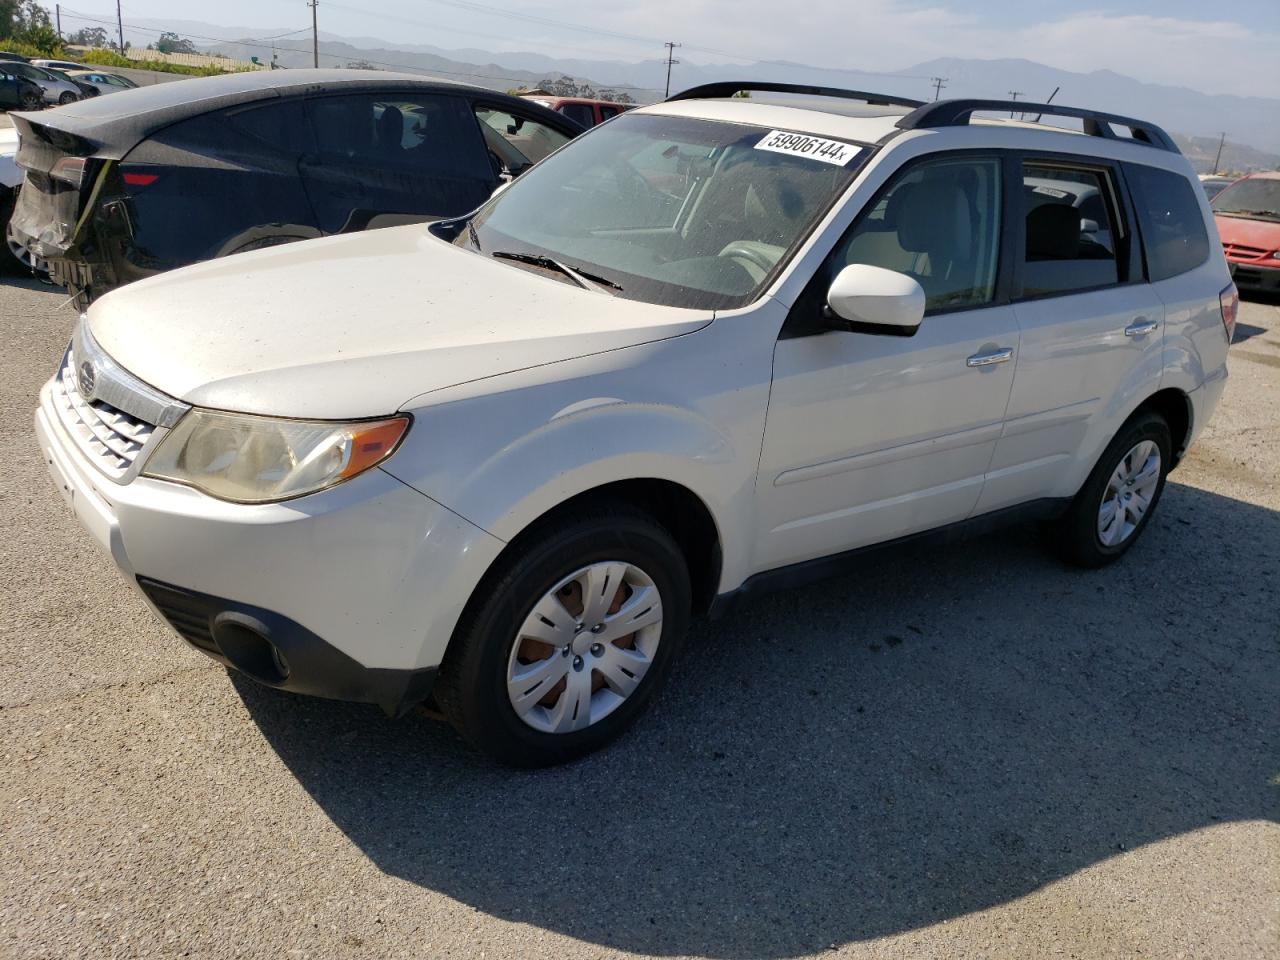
(585, 647)
(1128, 495)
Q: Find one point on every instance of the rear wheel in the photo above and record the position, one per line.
(568, 639)
(1116, 503)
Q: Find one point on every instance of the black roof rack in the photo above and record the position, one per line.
(957, 113)
(727, 88)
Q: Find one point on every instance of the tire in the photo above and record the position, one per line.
(67, 97)
(32, 101)
(488, 646)
(1084, 535)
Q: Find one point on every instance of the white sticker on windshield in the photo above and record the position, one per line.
(803, 145)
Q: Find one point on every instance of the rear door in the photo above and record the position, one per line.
(1091, 327)
(384, 159)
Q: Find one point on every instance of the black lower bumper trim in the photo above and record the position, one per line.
(280, 653)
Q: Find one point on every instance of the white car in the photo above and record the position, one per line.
(713, 346)
(10, 180)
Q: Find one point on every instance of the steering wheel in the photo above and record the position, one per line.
(743, 251)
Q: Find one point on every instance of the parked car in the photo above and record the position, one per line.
(1248, 216)
(57, 88)
(6, 55)
(102, 82)
(503, 458)
(60, 65)
(1213, 184)
(582, 110)
(18, 93)
(10, 179)
(190, 171)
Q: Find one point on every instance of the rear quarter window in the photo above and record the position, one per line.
(1173, 232)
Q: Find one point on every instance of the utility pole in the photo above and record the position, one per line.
(315, 35)
(938, 84)
(1014, 95)
(1218, 158)
(120, 27)
(671, 49)
(57, 18)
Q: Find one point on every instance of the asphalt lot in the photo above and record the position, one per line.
(960, 752)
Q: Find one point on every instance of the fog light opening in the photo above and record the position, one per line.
(244, 641)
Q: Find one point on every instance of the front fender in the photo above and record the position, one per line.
(504, 451)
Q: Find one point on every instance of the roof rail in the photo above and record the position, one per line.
(957, 113)
(727, 88)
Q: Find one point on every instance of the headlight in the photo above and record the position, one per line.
(249, 459)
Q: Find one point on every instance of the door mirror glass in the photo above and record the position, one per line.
(875, 300)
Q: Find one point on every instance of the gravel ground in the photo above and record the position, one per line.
(959, 752)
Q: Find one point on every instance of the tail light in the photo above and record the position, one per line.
(69, 170)
(1229, 301)
(140, 179)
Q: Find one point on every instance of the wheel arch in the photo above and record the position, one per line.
(1174, 406)
(683, 513)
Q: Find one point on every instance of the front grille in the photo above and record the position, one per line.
(110, 438)
(187, 613)
(1241, 251)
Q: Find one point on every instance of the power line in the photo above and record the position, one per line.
(71, 14)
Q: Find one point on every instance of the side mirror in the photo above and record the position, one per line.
(1089, 226)
(868, 299)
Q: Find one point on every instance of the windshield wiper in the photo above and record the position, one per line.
(471, 234)
(588, 281)
(1248, 213)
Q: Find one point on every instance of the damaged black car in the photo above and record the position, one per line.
(119, 188)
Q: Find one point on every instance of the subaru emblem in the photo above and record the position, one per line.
(85, 379)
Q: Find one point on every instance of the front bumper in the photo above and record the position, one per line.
(359, 587)
(1255, 276)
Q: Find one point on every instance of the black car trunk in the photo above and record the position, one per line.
(63, 177)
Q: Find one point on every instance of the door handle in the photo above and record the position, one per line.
(1001, 355)
(1141, 327)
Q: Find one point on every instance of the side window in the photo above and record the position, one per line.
(430, 135)
(515, 141)
(1070, 230)
(938, 222)
(608, 113)
(1173, 232)
(279, 123)
(579, 113)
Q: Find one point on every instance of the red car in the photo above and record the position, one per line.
(1248, 216)
(579, 109)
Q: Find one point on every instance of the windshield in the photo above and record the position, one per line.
(1258, 197)
(683, 212)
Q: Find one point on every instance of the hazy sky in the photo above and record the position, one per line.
(1216, 48)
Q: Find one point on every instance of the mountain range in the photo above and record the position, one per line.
(1251, 124)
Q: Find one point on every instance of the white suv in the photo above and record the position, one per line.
(715, 345)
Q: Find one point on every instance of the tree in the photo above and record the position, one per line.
(90, 37)
(27, 22)
(172, 43)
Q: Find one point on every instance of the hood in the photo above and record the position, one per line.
(357, 325)
(1263, 234)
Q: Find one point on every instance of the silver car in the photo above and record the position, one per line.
(102, 82)
(57, 87)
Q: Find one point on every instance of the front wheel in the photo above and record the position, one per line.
(1116, 503)
(32, 100)
(67, 97)
(567, 639)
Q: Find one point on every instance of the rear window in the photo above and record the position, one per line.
(1173, 231)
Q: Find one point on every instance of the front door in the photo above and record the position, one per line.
(872, 437)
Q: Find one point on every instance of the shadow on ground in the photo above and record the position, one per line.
(941, 733)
